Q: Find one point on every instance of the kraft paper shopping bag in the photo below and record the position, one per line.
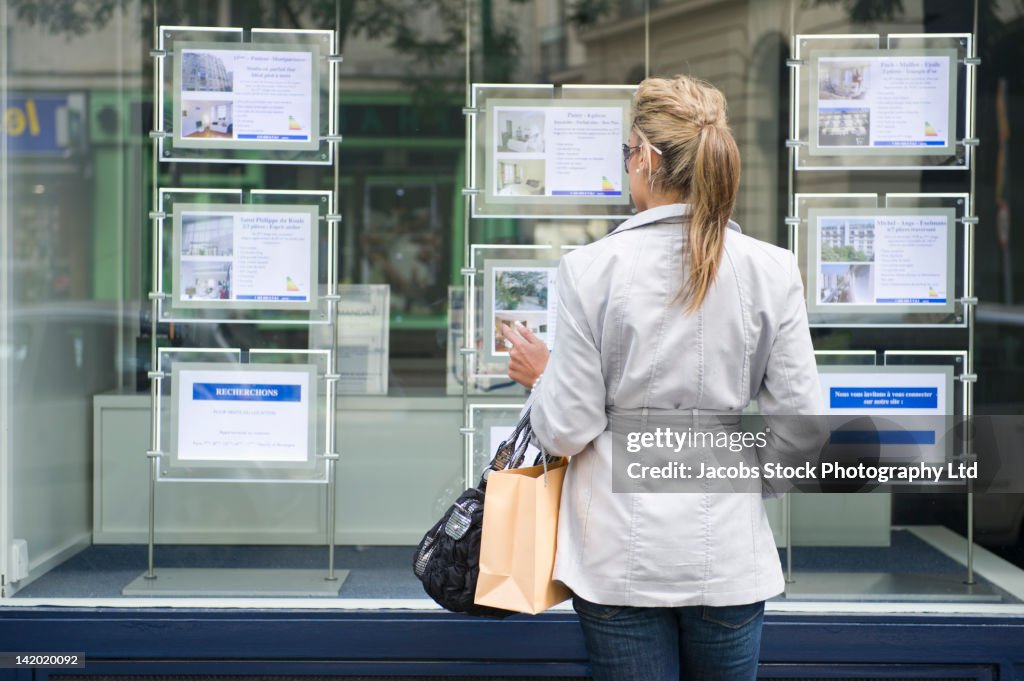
(517, 545)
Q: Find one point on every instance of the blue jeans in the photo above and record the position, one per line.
(697, 642)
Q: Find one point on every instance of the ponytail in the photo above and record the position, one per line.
(713, 188)
(700, 162)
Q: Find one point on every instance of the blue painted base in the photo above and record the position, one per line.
(201, 642)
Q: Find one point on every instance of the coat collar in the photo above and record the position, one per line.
(672, 212)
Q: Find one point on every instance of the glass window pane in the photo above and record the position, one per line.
(405, 363)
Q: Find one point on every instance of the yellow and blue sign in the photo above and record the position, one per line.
(38, 124)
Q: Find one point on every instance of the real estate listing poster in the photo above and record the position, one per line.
(256, 257)
(568, 152)
(519, 292)
(246, 414)
(245, 96)
(901, 409)
(880, 260)
(883, 102)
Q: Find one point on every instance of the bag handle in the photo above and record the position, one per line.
(543, 459)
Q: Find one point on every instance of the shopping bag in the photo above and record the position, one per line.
(517, 546)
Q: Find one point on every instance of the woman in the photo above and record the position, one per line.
(674, 310)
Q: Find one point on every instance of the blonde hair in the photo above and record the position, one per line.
(685, 119)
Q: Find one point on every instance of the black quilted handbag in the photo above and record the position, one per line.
(447, 560)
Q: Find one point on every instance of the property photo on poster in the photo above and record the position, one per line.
(519, 292)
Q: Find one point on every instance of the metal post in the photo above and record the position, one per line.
(791, 211)
(787, 514)
(5, 321)
(969, 151)
(467, 281)
(332, 310)
(647, 38)
(154, 321)
(332, 490)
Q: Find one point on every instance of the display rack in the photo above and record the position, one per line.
(205, 112)
(945, 81)
(840, 71)
(495, 147)
(482, 374)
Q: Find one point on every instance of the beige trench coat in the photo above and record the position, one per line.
(623, 344)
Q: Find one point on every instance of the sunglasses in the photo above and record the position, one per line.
(628, 151)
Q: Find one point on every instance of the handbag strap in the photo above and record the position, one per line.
(522, 444)
(512, 449)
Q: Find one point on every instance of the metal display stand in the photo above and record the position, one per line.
(479, 375)
(801, 158)
(323, 47)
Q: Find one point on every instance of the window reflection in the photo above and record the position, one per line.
(403, 244)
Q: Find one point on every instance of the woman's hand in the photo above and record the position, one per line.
(528, 355)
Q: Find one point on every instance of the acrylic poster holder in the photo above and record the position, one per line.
(291, 74)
